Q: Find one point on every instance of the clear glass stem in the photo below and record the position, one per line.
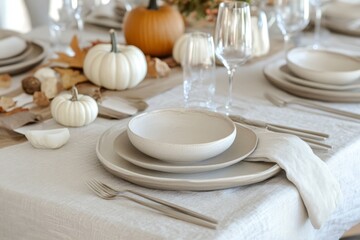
(286, 42)
(317, 30)
(228, 104)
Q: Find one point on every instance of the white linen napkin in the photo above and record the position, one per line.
(11, 46)
(318, 188)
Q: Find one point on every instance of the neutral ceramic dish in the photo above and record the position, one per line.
(323, 66)
(273, 73)
(242, 173)
(18, 57)
(342, 17)
(37, 54)
(181, 135)
(342, 27)
(244, 144)
(48, 139)
(297, 80)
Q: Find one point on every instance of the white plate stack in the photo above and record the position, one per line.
(182, 149)
(317, 74)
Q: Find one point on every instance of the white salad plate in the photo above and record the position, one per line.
(181, 134)
(242, 173)
(300, 81)
(37, 54)
(17, 58)
(323, 66)
(244, 144)
(275, 76)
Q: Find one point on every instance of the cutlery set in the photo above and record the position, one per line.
(167, 208)
(311, 137)
(280, 102)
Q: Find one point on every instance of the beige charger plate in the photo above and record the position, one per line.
(243, 145)
(242, 173)
(274, 75)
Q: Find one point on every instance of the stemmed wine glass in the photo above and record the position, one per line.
(292, 16)
(233, 41)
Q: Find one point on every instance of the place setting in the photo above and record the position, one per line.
(313, 71)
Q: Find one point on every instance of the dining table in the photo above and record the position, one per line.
(44, 192)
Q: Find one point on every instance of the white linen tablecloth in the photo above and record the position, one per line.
(43, 194)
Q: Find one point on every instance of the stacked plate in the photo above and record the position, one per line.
(182, 149)
(18, 55)
(317, 74)
(343, 16)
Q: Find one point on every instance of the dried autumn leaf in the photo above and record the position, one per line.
(6, 103)
(170, 61)
(75, 61)
(90, 90)
(156, 68)
(5, 80)
(70, 77)
(94, 43)
(40, 99)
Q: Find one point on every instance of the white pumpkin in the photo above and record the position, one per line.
(114, 66)
(74, 110)
(181, 47)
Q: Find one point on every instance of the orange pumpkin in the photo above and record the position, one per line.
(153, 29)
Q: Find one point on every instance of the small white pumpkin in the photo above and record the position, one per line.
(114, 66)
(181, 47)
(74, 110)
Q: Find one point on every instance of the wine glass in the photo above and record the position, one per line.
(61, 20)
(82, 8)
(292, 16)
(233, 41)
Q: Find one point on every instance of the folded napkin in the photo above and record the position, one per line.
(318, 188)
(11, 46)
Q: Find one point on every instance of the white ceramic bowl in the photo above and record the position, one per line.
(323, 66)
(181, 135)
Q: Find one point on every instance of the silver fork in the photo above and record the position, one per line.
(170, 209)
(280, 102)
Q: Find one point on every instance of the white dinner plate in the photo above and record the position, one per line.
(274, 75)
(303, 82)
(37, 54)
(242, 173)
(244, 144)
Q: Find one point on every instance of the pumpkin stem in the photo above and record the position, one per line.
(152, 5)
(114, 47)
(74, 94)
